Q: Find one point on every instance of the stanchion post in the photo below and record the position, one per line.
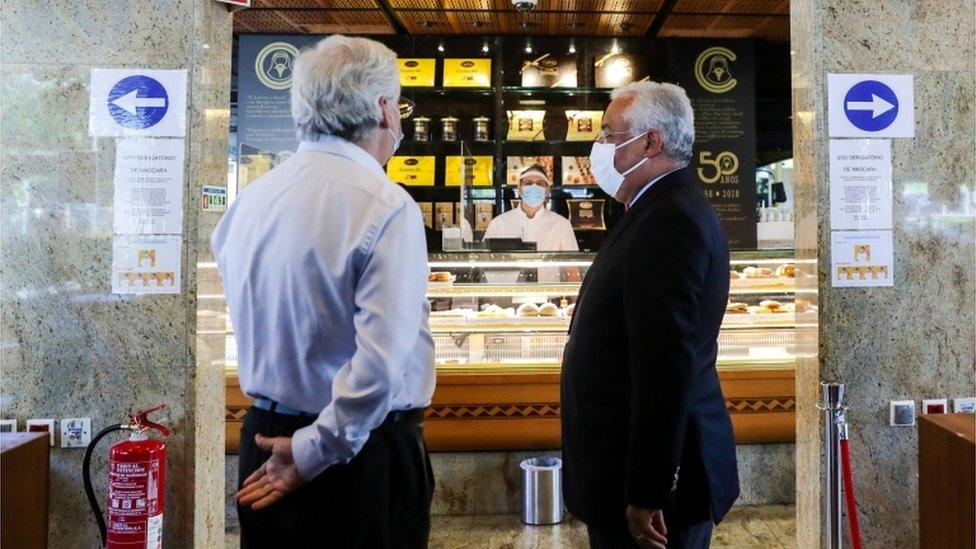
(832, 405)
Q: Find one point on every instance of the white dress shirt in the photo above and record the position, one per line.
(324, 265)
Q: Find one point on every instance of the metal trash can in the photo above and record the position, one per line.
(542, 482)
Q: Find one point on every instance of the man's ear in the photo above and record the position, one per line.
(385, 121)
(654, 145)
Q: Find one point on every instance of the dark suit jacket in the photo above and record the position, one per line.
(643, 416)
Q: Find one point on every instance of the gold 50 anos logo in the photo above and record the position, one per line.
(720, 169)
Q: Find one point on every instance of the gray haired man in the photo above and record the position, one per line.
(647, 441)
(325, 269)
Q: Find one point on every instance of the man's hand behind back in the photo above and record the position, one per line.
(276, 478)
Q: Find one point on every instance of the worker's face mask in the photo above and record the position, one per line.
(533, 195)
(603, 169)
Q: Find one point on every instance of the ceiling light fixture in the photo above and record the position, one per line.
(572, 47)
(440, 47)
(528, 47)
(575, 25)
(625, 26)
(484, 47)
(615, 48)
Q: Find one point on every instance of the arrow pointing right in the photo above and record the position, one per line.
(876, 105)
(131, 101)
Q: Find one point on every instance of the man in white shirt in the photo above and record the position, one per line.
(531, 221)
(325, 269)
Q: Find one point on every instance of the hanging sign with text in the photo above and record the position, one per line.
(719, 77)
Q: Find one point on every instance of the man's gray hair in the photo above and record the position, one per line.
(337, 86)
(663, 107)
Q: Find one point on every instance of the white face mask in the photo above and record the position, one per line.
(396, 140)
(533, 195)
(601, 165)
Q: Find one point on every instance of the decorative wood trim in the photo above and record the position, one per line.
(493, 410)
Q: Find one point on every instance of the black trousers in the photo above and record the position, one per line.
(681, 535)
(380, 499)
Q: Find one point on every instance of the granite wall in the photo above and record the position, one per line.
(68, 346)
(915, 340)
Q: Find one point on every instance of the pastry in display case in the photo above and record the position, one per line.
(493, 316)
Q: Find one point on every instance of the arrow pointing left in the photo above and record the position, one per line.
(131, 101)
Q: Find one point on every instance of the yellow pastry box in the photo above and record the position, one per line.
(475, 170)
(467, 73)
(412, 170)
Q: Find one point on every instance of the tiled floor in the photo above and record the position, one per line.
(767, 527)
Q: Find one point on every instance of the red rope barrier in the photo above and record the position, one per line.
(845, 455)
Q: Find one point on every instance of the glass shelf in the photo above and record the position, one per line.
(505, 290)
(548, 142)
(439, 143)
(557, 91)
(444, 91)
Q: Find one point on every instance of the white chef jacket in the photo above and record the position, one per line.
(324, 264)
(550, 231)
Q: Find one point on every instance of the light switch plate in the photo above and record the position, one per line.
(964, 405)
(8, 425)
(75, 432)
(901, 413)
(41, 425)
(935, 406)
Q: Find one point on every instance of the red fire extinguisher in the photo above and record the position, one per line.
(136, 487)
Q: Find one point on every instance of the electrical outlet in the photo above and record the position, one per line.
(901, 413)
(8, 425)
(935, 406)
(41, 426)
(75, 432)
(964, 405)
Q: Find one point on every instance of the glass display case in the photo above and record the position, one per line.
(489, 312)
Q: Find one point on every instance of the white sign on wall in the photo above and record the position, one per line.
(860, 184)
(871, 105)
(861, 259)
(146, 264)
(137, 102)
(148, 186)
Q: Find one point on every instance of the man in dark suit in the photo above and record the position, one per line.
(648, 449)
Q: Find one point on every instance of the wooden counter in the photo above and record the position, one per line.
(24, 474)
(476, 408)
(947, 481)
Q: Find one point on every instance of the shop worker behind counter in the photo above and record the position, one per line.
(648, 449)
(325, 269)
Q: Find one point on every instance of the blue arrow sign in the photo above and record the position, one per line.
(871, 105)
(138, 102)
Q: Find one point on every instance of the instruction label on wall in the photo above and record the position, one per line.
(148, 186)
(860, 184)
(861, 259)
(214, 199)
(146, 264)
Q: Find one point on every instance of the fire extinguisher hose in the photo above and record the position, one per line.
(849, 495)
(86, 476)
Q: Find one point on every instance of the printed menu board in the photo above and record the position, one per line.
(417, 72)
(467, 73)
(411, 170)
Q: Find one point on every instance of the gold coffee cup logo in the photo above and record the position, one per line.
(725, 166)
(713, 70)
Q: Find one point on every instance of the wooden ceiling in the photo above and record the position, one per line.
(767, 19)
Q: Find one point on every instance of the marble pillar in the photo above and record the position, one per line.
(915, 340)
(69, 347)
